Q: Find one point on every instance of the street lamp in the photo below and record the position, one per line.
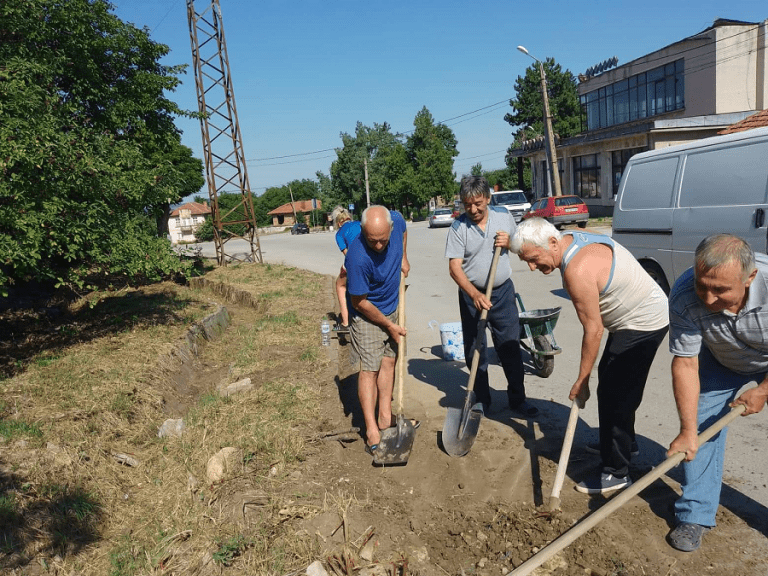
(554, 175)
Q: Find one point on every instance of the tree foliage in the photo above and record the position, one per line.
(403, 173)
(528, 107)
(431, 149)
(89, 153)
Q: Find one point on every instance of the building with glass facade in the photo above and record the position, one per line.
(686, 91)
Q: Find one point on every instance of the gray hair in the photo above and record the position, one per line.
(340, 214)
(474, 186)
(722, 249)
(534, 231)
(364, 217)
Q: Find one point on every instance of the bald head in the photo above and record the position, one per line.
(376, 224)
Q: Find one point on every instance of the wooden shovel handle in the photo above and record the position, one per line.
(483, 320)
(565, 452)
(400, 368)
(620, 499)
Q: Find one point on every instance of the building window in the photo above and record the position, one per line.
(619, 159)
(656, 91)
(586, 176)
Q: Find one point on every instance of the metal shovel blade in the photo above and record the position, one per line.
(460, 429)
(396, 443)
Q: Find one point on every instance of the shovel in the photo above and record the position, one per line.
(620, 499)
(565, 452)
(397, 442)
(461, 426)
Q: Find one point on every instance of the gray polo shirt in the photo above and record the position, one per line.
(738, 341)
(466, 240)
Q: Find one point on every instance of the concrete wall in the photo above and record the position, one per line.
(736, 68)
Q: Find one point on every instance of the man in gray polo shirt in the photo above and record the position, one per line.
(471, 242)
(717, 312)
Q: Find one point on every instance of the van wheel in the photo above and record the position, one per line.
(655, 272)
(582, 224)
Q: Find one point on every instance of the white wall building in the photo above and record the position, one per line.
(185, 220)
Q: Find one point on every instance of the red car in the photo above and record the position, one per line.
(560, 210)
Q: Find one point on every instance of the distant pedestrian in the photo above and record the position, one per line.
(347, 230)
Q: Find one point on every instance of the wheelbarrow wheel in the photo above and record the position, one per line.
(544, 365)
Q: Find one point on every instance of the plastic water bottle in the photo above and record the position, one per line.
(325, 329)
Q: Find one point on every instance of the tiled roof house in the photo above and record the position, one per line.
(283, 215)
(759, 120)
(185, 220)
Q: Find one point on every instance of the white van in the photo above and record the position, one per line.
(513, 200)
(670, 199)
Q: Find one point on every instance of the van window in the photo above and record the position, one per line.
(650, 185)
(733, 176)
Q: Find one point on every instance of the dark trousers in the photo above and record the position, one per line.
(621, 377)
(505, 331)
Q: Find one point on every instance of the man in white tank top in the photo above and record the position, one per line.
(610, 291)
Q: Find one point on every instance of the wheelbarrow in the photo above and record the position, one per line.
(538, 338)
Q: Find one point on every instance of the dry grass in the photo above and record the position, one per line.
(67, 502)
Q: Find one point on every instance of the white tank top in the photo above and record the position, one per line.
(631, 299)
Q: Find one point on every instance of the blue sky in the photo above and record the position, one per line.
(305, 71)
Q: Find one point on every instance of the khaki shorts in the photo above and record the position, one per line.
(371, 343)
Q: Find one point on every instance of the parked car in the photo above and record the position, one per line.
(458, 209)
(560, 210)
(440, 217)
(513, 200)
(300, 228)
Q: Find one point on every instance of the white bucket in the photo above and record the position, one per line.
(452, 340)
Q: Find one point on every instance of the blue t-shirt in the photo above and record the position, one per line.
(376, 275)
(348, 232)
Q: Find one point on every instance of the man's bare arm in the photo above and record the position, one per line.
(372, 313)
(582, 286)
(406, 266)
(686, 386)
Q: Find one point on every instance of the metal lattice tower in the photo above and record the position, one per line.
(222, 140)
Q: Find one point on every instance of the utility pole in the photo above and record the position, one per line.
(367, 188)
(554, 173)
(293, 206)
(222, 140)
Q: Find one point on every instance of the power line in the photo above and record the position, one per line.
(444, 122)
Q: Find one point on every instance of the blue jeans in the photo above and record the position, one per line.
(703, 476)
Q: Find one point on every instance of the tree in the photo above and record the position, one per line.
(528, 106)
(89, 153)
(431, 149)
(401, 174)
(371, 145)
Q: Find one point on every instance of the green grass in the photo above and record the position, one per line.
(231, 549)
(9, 508)
(71, 502)
(46, 360)
(309, 355)
(122, 561)
(10, 429)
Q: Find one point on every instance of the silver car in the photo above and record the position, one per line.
(440, 217)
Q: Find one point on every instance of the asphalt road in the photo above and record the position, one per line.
(433, 383)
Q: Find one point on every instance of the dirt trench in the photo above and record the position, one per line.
(484, 513)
